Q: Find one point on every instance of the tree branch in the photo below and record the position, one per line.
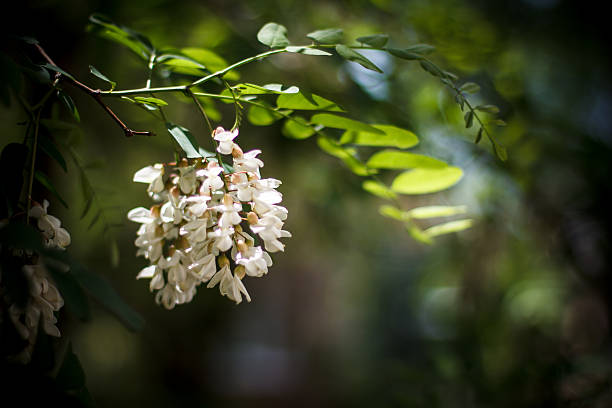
(95, 94)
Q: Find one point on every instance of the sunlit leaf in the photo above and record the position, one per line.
(150, 100)
(393, 136)
(423, 181)
(326, 36)
(378, 189)
(334, 149)
(352, 55)
(374, 40)
(393, 159)
(273, 35)
(134, 40)
(418, 234)
(185, 139)
(340, 122)
(448, 227)
(297, 128)
(211, 60)
(252, 89)
(261, 116)
(306, 50)
(433, 211)
(391, 212)
(306, 101)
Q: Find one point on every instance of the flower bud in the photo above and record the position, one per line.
(228, 201)
(242, 247)
(223, 261)
(175, 192)
(252, 218)
(155, 211)
(240, 271)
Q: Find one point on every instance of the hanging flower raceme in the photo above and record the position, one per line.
(197, 230)
(43, 298)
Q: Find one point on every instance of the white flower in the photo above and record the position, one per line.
(269, 229)
(249, 162)
(229, 212)
(152, 175)
(55, 236)
(255, 260)
(225, 139)
(222, 238)
(212, 181)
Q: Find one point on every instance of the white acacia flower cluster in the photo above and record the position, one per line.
(44, 298)
(197, 231)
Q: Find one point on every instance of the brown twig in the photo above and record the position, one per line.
(95, 94)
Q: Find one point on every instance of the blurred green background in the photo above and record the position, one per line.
(515, 312)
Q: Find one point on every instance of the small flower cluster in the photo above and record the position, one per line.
(44, 299)
(195, 232)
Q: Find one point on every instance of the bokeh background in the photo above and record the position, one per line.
(515, 312)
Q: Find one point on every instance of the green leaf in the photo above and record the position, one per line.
(297, 128)
(57, 69)
(99, 288)
(469, 119)
(393, 159)
(478, 136)
(69, 103)
(252, 89)
(259, 116)
(211, 60)
(44, 180)
(423, 49)
(340, 122)
(185, 139)
(470, 87)
(432, 69)
(150, 100)
(434, 211)
(448, 227)
(378, 189)
(352, 55)
(393, 136)
(48, 146)
(423, 181)
(403, 54)
(306, 101)
(334, 149)
(488, 108)
(391, 212)
(300, 49)
(326, 36)
(374, 40)
(133, 40)
(103, 77)
(418, 235)
(273, 35)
